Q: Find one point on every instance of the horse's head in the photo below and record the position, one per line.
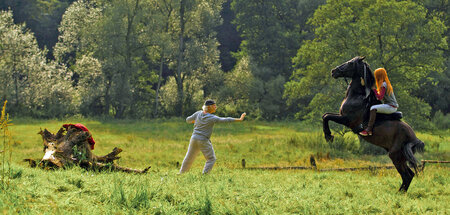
(348, 69)
(355, 68)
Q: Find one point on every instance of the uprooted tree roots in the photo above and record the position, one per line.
(72, 148)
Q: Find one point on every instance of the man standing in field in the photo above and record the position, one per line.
(204, 121)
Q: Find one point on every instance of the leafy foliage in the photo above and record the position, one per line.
(272, 32)
(113, 57)
(34, 86)
(129, 39)
(6, 150)
(236, 91)
(103, 43)
(192, 102)
(40, 16)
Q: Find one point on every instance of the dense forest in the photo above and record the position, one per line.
(272, 59)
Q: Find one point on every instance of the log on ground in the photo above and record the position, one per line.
(69, 147)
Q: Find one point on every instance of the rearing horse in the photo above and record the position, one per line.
(395, 136)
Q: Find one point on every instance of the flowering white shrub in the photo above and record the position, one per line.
(34, 86)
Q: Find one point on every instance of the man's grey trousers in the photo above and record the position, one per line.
(196, 145)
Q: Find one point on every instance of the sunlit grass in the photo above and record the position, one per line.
(229, 189)
(226, 191)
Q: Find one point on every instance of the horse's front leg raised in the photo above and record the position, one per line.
(343, 120)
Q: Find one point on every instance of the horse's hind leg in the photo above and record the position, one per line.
(405, 172)
(410, 177)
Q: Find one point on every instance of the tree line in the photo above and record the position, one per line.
(162, 58)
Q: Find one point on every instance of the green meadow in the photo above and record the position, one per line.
(228, 189)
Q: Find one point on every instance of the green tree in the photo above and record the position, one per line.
(435, 89)
(90, 85)
(117, 34)
(77, 31)
(272, 31)
(228, 37)
(236, 90)
(396, 35)
(77, 49)
(195, 59)
(35, 86)
(122, 25)
(162, 42)
(134, 39)
(41, 16)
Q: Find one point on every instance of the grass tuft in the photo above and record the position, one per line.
(76, 182)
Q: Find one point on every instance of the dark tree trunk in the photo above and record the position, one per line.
(167, 8)
(180, 94)
(161, 67)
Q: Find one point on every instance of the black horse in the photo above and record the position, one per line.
(389, 132)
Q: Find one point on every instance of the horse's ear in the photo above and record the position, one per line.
(363, 57)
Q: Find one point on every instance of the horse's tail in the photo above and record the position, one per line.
(409, 149)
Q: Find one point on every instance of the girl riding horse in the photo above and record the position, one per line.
(392, 134)
(384, 93)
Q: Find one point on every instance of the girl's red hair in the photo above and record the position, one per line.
(380, 77)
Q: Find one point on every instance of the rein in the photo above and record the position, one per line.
(367, 87)
(365, 73)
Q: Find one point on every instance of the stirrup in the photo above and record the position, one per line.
(365, 133)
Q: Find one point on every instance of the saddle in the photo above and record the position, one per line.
(393, 116)
(381, 117)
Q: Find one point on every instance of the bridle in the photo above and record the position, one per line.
(364, 76)
(355, 68)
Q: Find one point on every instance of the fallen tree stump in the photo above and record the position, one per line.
(69, 147)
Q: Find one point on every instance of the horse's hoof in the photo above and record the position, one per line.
(402, 189)
(329, 138)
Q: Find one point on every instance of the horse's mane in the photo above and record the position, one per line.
(369, 80)
(367, 74)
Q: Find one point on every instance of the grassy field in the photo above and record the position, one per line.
(229, 189)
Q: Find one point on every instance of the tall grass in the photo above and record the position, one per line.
(6, 151)
(226, 191)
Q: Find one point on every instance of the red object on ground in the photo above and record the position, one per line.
(83, 128)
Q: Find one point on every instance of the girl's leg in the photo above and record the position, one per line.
(372, 116)
(384, 108)
(210, 156)
(190, 156)
(381, 108)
